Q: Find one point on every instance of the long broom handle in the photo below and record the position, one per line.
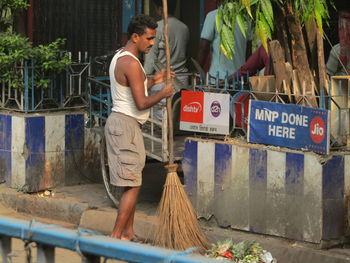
(168, 80)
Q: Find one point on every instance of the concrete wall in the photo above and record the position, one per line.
(290, 194)
(40, 151)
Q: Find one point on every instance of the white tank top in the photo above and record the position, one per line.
(122, 98)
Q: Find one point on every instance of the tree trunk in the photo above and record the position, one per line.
(279, 65)
(311, 36)
(281, 34)
(300, 60)
(323, 79)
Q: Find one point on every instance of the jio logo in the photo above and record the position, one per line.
(215, 108)
(317, 130)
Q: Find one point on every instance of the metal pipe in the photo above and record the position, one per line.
(93, 243)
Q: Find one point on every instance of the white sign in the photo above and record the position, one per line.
(205, 112)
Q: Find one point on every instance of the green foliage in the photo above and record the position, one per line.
(14, 5)
(50, 57)
(260, 13)
(309, 10)
(228, 15)
(15, 50)
(8, 9)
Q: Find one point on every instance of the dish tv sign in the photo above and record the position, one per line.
(205, 112)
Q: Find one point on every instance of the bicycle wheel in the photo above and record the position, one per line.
(112, 191)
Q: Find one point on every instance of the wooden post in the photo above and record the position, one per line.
(45, 254)
(5, 248)
(90, 259)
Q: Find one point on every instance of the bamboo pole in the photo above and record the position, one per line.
(178, 227)
(168, 80)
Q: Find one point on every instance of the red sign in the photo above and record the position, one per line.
(240, 108)
(317, 129)
(205, 112)
(192, 106)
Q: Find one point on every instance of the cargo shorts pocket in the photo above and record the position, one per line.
(114, 131)
(119, 138)
(129, 164)
(127, 159)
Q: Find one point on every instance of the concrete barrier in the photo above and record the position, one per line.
(267, 190)
(40, 151)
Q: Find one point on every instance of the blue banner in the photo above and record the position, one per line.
(289, 125)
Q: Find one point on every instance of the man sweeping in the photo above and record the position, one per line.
(131, 103)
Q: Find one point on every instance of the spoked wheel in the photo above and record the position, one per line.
(111, 190)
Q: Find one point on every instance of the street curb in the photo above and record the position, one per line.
(51, 208)
(103, 220)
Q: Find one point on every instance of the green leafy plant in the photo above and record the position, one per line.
(16, 50)
(260, 13)
(49, 59)
(8, 10)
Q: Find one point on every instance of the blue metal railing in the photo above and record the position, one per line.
(100, 98)
(89, 244)
(241, 91)
(66, 90)
(100, 101)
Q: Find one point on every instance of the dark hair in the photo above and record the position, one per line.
(171, 5)
(139, 23)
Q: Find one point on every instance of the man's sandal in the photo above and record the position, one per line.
(138, 239)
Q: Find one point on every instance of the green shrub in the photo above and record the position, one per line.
(15, 50)
(8, 10)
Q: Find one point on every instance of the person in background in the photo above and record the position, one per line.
(333, 65)
(257, 61)
(131, 103)
(210, 43)
(179, 36)
(338, 62)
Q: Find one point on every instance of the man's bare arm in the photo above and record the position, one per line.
(134, 78)
(203, 51)
(158, 78)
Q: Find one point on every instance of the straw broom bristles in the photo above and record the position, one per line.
(178, 227)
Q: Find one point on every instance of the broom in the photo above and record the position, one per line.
(177, 227)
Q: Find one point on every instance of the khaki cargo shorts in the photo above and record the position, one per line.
(125, 149)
